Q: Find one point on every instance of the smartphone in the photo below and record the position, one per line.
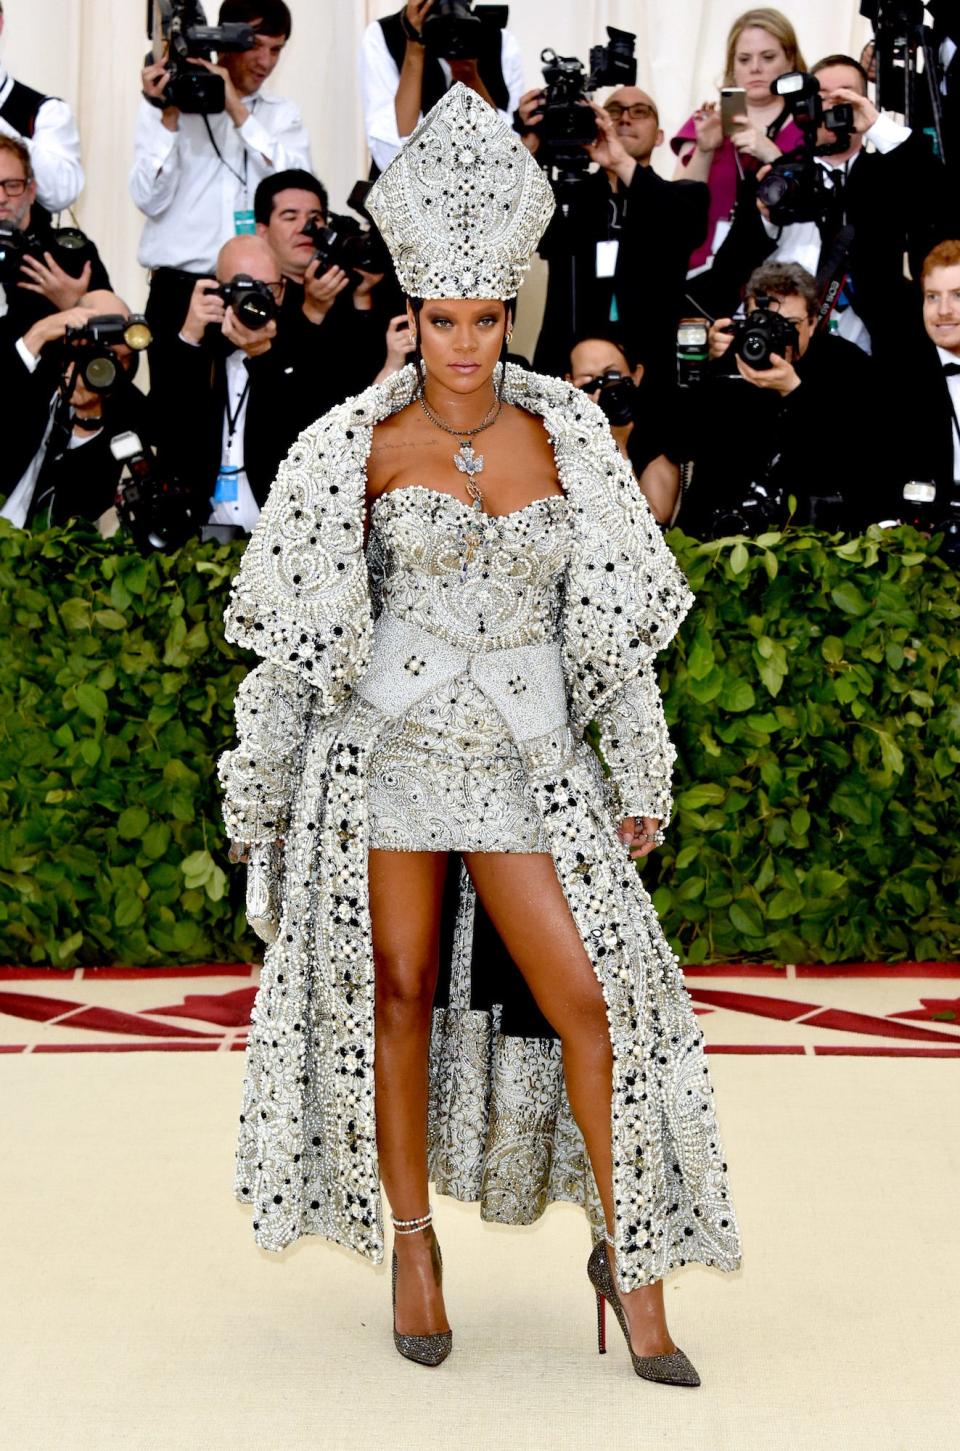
(733, 102)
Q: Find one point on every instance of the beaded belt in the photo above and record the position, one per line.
(524, 682)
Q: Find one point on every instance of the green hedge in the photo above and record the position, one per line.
(813, 695)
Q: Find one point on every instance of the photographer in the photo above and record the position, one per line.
(71, 396)
(793, 420)
(335, 316)
(194, 174)
(410, 59)
(868, 209)
(39, 273)
(46, 128)
(642, 420)
(237, 393)
(627, 237)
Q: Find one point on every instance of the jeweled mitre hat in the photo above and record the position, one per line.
(463, 205)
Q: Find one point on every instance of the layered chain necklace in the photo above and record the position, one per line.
(469, 464)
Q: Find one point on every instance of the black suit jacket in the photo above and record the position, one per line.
(896, 202)
(308, 369)
(663, 222)
(920, 421)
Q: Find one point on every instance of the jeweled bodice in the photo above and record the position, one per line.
(478, 581)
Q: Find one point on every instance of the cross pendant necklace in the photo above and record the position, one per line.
(469, 464)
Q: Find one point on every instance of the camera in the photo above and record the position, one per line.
(71, 250)
(89, 350)
(568, 125)
(617, 396)
(760, 508)
(457, 30)
(921, 509)
(179, 30)
(343, 242)
(795, 189)
(762, 333)
(159, 514)
(253, 302)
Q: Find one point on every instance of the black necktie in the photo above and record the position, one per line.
(951, 370)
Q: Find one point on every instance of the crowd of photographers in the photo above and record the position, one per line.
(774, 333)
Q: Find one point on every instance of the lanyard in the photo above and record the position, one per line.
(234, 418)
(223, 160)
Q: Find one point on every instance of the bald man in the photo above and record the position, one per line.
(235, 397)
(56, 464)
(621, 254)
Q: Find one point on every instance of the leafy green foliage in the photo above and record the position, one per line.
(814, 700)
(813, 696)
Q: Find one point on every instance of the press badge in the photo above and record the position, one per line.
(607, 258)
(244, 224)
(226, 489)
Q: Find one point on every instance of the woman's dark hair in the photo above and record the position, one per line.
(268, 17)
(416, 307)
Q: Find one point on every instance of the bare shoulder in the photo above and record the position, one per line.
(393, 442)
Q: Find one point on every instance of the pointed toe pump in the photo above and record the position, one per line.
(673, 1369)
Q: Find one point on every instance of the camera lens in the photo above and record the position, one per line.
(100, 373)
(253, 310)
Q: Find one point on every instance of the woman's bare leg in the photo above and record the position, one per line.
(523, 897)
(406, 889)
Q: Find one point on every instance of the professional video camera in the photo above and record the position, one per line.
(160, 514)
(343, 242)
(457, 30)
(617, 396)
(89, 350)
(901, 37)
(253, 302)
(568, 125)
(761, 333)
(71, 250)
(795, 189)
(180, 34)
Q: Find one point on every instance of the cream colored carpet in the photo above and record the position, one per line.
(136, 1312)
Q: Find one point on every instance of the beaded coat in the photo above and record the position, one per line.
(500, 1126)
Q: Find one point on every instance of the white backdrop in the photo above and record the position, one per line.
(90, 53)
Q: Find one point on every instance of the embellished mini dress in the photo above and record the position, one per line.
(447, 773)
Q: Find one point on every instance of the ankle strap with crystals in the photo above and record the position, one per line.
(412, 1226)
(610, 1239)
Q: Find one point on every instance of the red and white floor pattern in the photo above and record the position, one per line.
(907, 1010)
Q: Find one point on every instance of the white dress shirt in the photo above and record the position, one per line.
(801, 241)
(380, 78)
(54, 150)
(953, 384)
(188, 195)
(243, 511)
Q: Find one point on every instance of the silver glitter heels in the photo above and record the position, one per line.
(424, 1349)
(674, 1369)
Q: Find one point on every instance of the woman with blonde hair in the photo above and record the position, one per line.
(761, 45)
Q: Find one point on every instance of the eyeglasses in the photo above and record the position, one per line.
(16, 186)
(639, 111)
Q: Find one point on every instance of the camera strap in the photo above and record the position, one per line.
(832, 274)
(233, 416)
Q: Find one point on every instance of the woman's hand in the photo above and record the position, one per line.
(639, 835)
(754, 141)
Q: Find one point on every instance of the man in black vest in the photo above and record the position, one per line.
(401, 78)
(46, 127)
(39, 276)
